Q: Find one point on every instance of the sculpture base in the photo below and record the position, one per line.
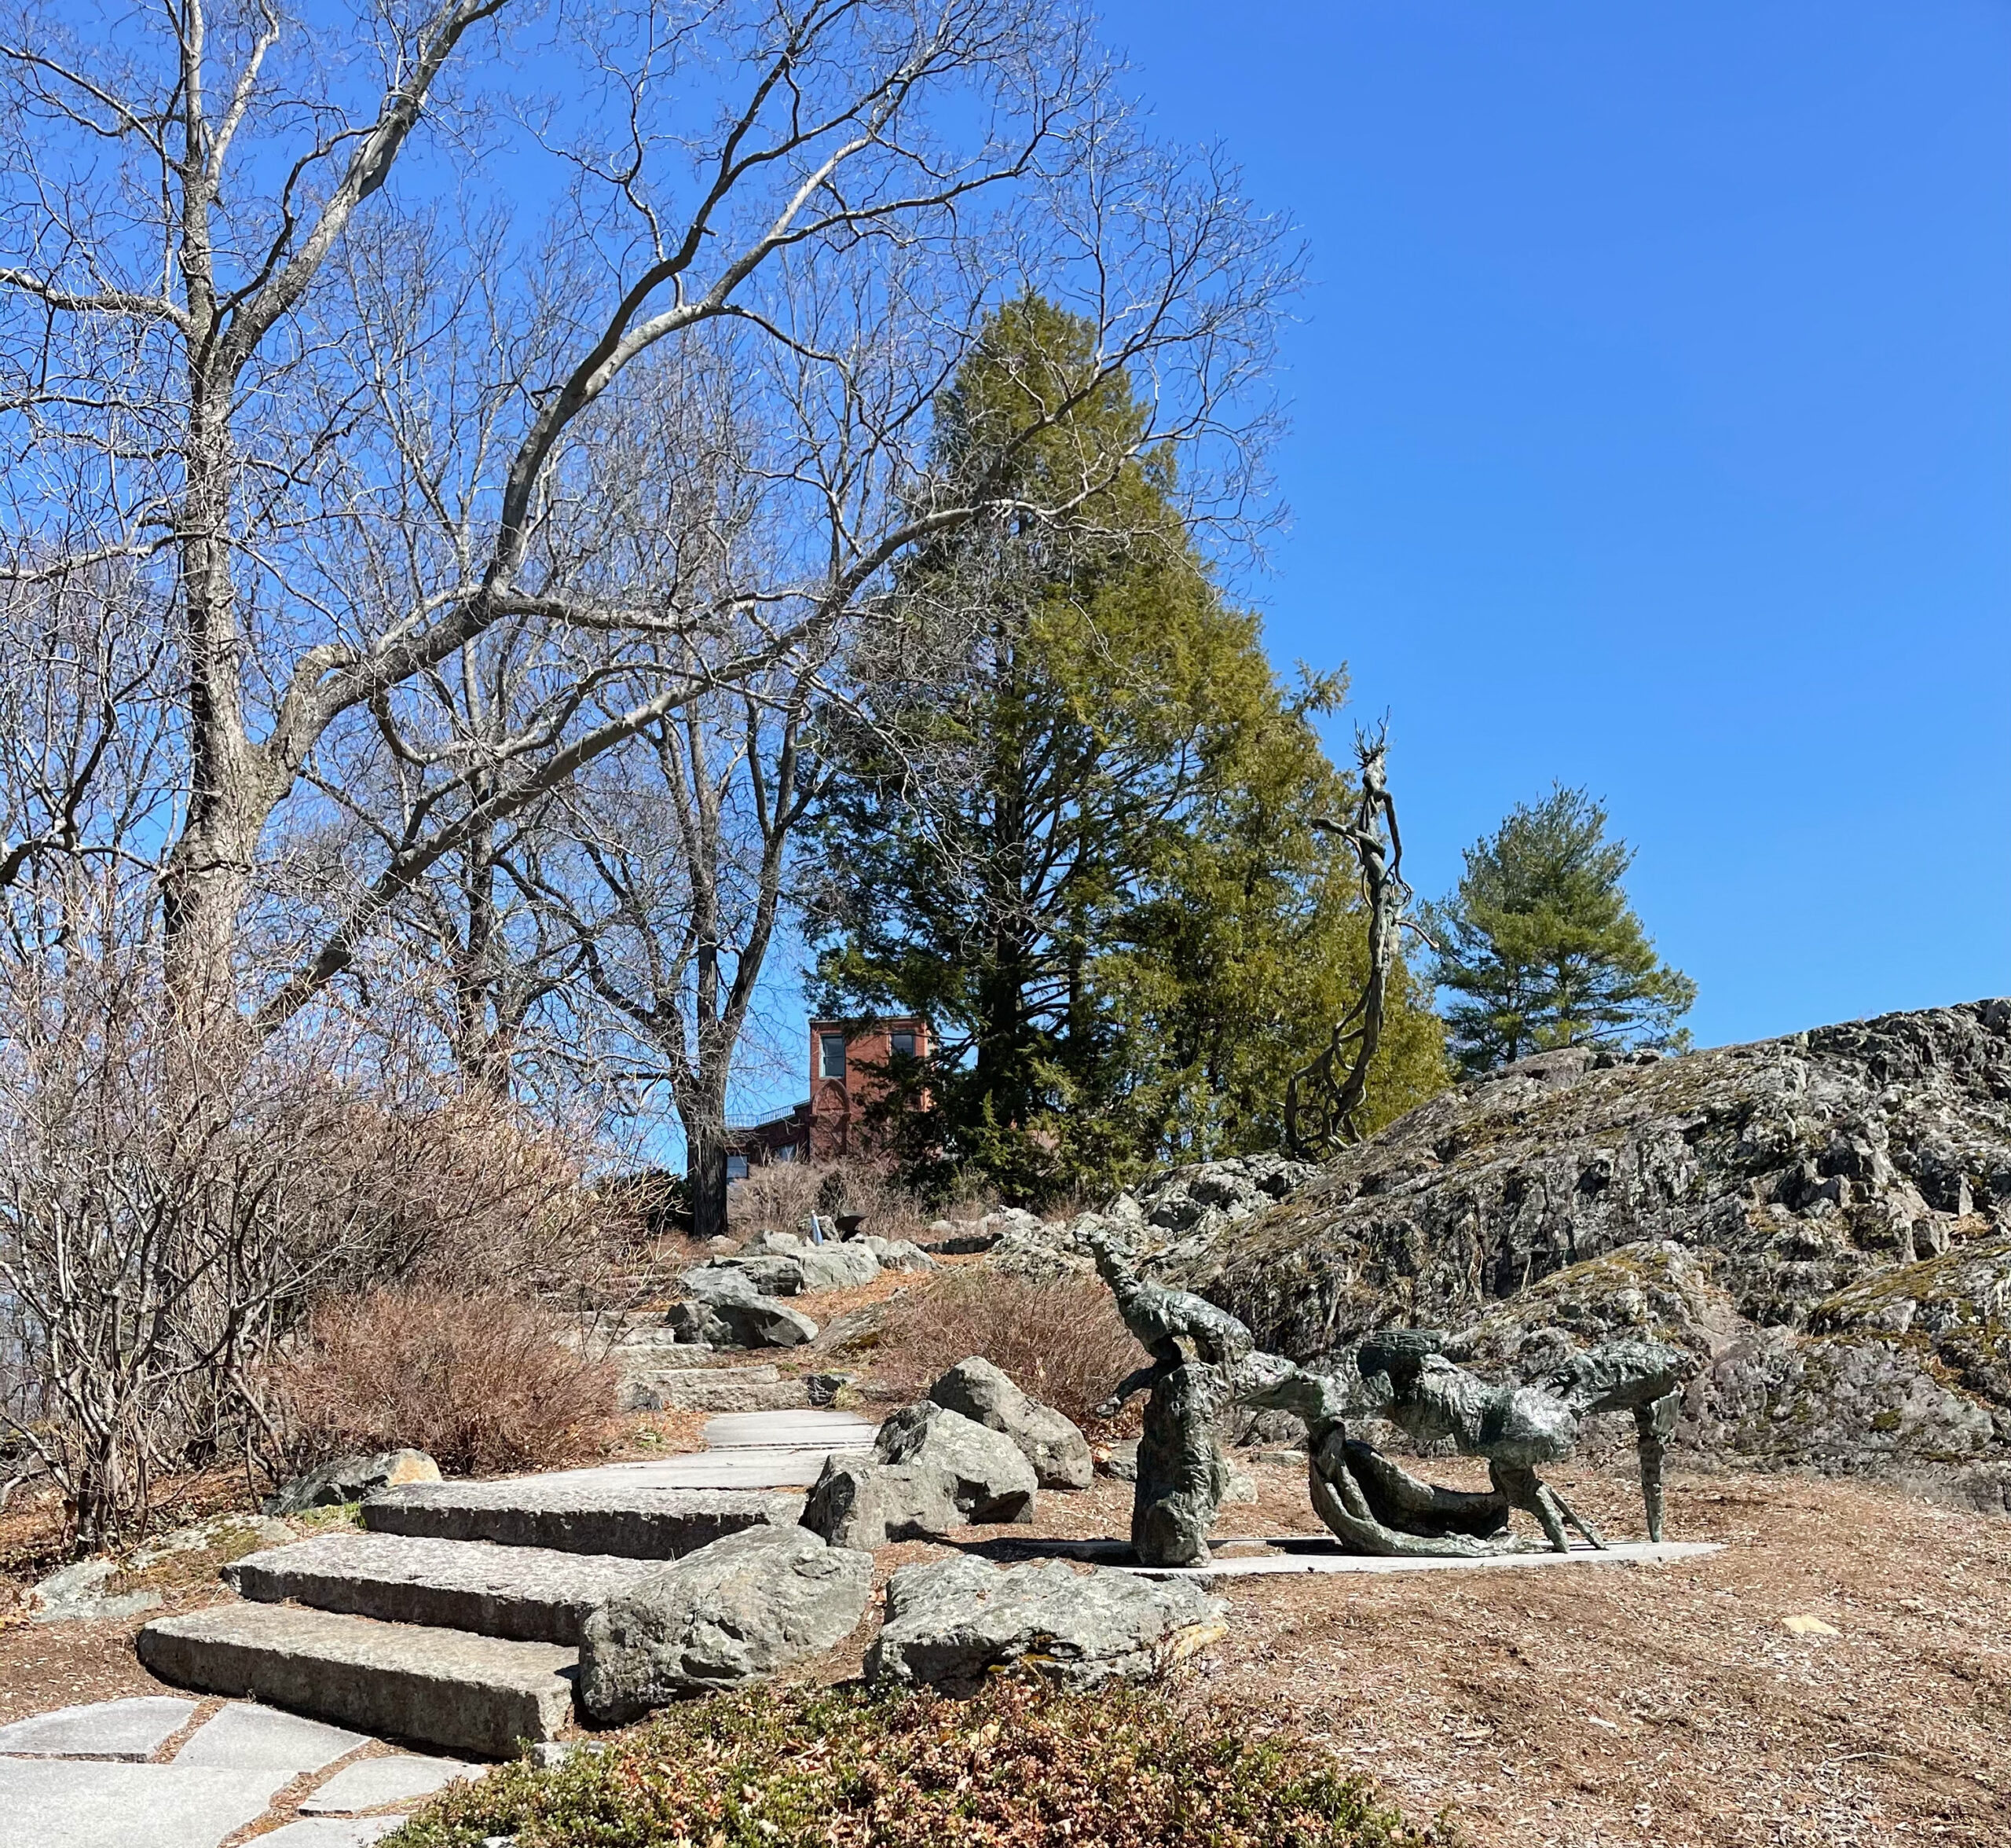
(1230, 1561)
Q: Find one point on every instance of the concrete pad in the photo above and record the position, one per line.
(405, 1680)
(791, 1430)
(530, 1593)
(370, 1783)
(134, 1728)
(325, 1832)
(1220, 1570)
(263, 1739)
(646, 1511)
(58, 1803)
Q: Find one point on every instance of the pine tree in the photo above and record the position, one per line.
(1541, 949)
(1075, 823)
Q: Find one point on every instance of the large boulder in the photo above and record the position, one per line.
(737, 1611)
(349, 1479)
(776, 1268)
(950, 1625)
(746, 1321)
(833, 1266)
(990, 1481)
(983, 1393)
(858, 1501)
(1824, 1220)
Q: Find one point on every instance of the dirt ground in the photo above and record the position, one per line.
(1583, 1706)
(1594, 1706)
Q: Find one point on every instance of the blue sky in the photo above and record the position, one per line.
(1651, 430)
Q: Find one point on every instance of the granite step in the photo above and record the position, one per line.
(439, 1687)
(635, 1511)
(647, 1388)
(528, 1594)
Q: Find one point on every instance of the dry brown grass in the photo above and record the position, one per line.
(1064, 1343)
(478, 1381)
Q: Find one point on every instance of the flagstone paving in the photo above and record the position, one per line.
(120, 1774)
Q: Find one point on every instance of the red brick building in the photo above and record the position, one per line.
(848, 1059)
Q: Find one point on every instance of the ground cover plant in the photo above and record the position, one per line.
(843, 1768)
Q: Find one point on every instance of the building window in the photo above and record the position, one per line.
(736, 1167)
(785, 1152)
(831, 1055)
(903, 1045)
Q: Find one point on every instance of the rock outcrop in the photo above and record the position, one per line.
(1174, 1217)
(1824, 1220)
(950, 1625)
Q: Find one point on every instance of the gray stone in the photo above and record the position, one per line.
(83, 1590)
(370, 1783)
(349, 1479)
(724, 1389)
(742, 1320)
(823, 1389)
(441, 1687)
(840, 1266)
(897, 1254)
(603, 1511)
(720, 1280)
(981, 1392)
(322, 1832)
(737, 1610)
(656, 1348)
(133, 1729)
(990, 1481)
(49, 1803)
(527, 1593)
(80, 1593)
(860, 1502)
(261, 1738)
(950, 1624)
(221, 1532)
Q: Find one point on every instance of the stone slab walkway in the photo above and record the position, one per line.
(157, 1771)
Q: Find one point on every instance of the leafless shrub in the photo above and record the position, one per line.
(480, 1382)
(1063, 1343)
(781, 1196)
(175, 1201)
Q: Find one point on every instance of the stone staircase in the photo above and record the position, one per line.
(453, 1619)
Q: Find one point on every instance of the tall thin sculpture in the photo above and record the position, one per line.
(1324, 1100)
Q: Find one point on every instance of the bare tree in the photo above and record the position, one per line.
(228, 285)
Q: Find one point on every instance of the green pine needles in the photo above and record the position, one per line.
(1539, 947)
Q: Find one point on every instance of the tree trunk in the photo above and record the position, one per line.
(704, 1174)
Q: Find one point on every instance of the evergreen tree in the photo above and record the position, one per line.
(1541, 947)
(1074, 826)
